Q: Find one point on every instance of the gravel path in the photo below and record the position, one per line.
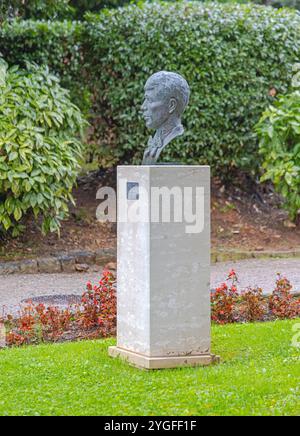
(15, 288)
(259, 272)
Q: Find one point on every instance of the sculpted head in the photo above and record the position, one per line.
(166, 96)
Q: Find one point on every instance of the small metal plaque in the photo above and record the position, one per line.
(133, 191)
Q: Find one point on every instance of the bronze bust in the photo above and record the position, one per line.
(166, 97)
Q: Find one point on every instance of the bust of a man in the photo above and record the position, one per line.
(166, 97)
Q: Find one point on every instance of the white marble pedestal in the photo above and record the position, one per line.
(164, 266)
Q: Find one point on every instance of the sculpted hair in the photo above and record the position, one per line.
(171, 85)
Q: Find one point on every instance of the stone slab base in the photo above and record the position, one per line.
(146, 362)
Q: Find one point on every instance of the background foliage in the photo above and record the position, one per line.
(277, 3)
(35, 9)
(279, 132)
(54, 9)
(55, 44)
(236, 59)
(76, 9)
(39, 150)
(80, 7)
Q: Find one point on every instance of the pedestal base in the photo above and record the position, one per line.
(146, 362)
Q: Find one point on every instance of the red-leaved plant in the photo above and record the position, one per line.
(252, 305)
(36, 323)
(224, 299)
(96, 316)
(53, 321)
(99, 306)
(282, 303)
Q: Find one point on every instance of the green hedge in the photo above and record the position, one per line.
(76, 9)
(280, 3)
(56, 44)
(231, 55)
(80, 7)
(54, 9)
(39, 148)
(34, 9)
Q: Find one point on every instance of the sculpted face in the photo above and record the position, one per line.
(166, 94)
(156, 107)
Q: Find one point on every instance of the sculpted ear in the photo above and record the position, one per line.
(172, 105)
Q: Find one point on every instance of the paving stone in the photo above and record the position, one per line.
(49, 265)
(29, 266)
(85, 257)
(105, 255)
(82, 267)
(9, 268)
(112, 266)
(67, 263)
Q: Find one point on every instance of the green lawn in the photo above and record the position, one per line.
(259, 374)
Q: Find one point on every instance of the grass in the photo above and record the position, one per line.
(259, 375)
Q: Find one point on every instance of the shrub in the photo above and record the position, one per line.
(252, 305)
(99, 308)
(55, 44)
(96, 316)
(39, 148)
(52, 321)
(280, 3)
(81, 7)
(38, 323)
(35, 9)
(233, 56)
(224, 300)
(53, 9)
(279, 132)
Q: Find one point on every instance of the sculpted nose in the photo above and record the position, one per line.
(143, 107)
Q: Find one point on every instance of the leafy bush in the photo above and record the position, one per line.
(55, 44)
(53, 9)
(281, 302)
(76, 9)
(39, 149)
(96, 316)
(252, 305)
(38, 323)
(80, 7)
(280, 3)
(233, 56)
(274, 3)
(35, 9)
(228, 305)
(224, 300)
(99, 305)
(279, 132)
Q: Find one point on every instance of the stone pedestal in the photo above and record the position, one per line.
(164, 266)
